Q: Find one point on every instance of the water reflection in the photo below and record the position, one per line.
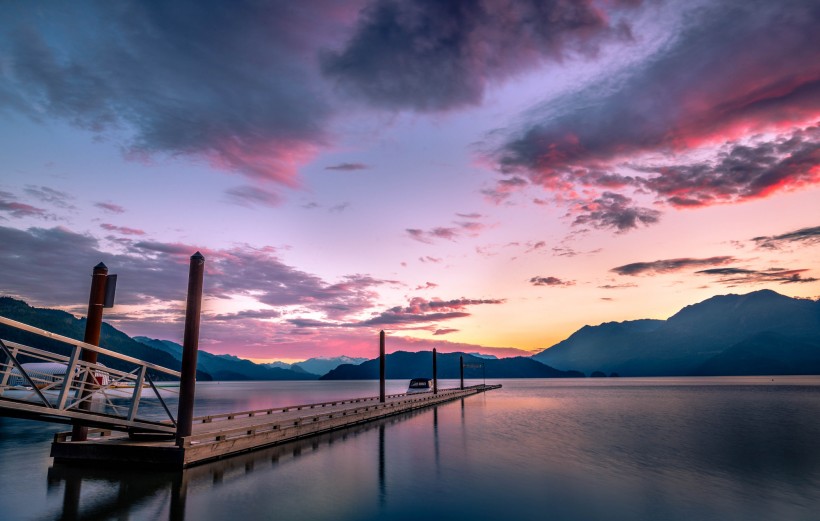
(631, 450)
(98, 494)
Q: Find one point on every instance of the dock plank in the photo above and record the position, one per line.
(223, 435)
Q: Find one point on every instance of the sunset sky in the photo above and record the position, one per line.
(482, 176)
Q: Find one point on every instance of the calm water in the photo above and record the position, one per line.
(653, 449)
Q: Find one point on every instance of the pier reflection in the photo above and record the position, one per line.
(117, 493)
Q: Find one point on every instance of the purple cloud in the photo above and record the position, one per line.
(805, 236)
(427, 55)
(741, 276)
(669, 265)
(348, 167)
(550, 281)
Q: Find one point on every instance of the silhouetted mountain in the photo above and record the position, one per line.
(404, 365)
(66, 324)
(322, 365)
(228, 367)
(726, 334)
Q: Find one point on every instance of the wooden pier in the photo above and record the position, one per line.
(224, 435)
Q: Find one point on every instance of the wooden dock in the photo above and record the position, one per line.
(223, 435)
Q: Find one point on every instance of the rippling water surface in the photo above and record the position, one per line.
(653, 449)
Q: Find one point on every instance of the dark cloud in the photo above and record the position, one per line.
(669, 265)
(707, 86)
(235, 83)
(348, 167)
(428, 258)
(803, 236)
(249, 196)
(550, 281)
(614, 211)
(470, 228)
(123, 230)
(255, 314)
(472, 216)
(439, 332)
(110, 207)
(9, 205)
(428, 55)
(423, 311)
(742, 171)
(741, 276)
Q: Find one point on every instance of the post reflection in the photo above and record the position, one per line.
(116, 493)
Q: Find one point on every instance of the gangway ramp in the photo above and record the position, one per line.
(40, 384)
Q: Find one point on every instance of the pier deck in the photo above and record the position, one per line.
(223, 435)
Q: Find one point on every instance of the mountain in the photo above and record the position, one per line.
(68, 325)
(404, 365)
(323, 365)
(762, 332)
(228, 367)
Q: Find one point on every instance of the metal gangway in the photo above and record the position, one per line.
(85, 393)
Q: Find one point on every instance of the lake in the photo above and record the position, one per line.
(578, 449)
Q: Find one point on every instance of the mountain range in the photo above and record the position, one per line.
(405, 365)
(759, 333)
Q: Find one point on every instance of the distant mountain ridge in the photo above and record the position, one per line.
(318, 365)
(762, 332)
(228, 367)
(406, 365)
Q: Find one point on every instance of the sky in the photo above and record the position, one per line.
(484, 176)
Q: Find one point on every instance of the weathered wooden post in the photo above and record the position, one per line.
(93, 323)
(190, 344)
(435, 373)
(381, 366)
(461, 366)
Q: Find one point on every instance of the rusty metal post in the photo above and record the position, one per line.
(93, 324)
(461, 365)
(190, 344)
(381, 366)
(435, 373)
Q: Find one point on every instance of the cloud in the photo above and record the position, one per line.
(123, 230)
(110, 207)
(50, 196)
(427, 285)
(614, 211)
(348, 167)
(618, 286)
(668, 265)
(550, 281)
(235, 84)
(249, 196)
(804, 236)
(9, 205)
(742, 171)
(732, 111)
(428, 56)
(423, 311)
(439, 332)
(339, 208)
(741, 276)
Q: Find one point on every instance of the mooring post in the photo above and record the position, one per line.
(435, 373)
(190, 344)
(93, 323)
(461, 365)
(381, 366)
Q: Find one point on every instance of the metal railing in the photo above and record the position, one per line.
(45, 385)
